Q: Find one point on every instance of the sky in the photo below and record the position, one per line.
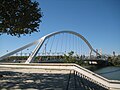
(97, 20)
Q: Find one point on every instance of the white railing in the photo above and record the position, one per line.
(79, 71)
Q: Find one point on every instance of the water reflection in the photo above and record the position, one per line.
(112, 73)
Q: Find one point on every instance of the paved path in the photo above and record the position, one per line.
(34, 79)
(43, 79)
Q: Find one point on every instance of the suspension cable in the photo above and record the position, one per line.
(56, 45)
(52, 43)
(62, 43)
(45, 46)
(66, 44)
(76, 46)
(69, 43)
(73, 43)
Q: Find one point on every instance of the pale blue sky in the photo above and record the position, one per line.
(97, 20)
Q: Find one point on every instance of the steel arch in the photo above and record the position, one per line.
(42, 40)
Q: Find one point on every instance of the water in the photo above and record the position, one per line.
(112, 72)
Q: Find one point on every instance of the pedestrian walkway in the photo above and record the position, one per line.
(50, 80)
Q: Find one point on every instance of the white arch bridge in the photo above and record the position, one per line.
(41, 41)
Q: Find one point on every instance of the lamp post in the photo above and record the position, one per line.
(8, 57)
(27, 51)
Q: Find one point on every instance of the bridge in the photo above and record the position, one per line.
(83, 78)
(42, 43)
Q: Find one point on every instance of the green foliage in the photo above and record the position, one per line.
(19, 17)
(70, 53)
(69, 58)
(15, 59)
(114, 60)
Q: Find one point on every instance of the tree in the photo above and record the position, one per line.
(69, 58)
(70, 53)
(19, 17)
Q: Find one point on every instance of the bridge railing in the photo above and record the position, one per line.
(79, 71)
(95, 78)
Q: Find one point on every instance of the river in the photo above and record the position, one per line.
(112, 72)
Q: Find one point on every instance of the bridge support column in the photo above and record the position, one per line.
(35, 51)
(90, 54)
